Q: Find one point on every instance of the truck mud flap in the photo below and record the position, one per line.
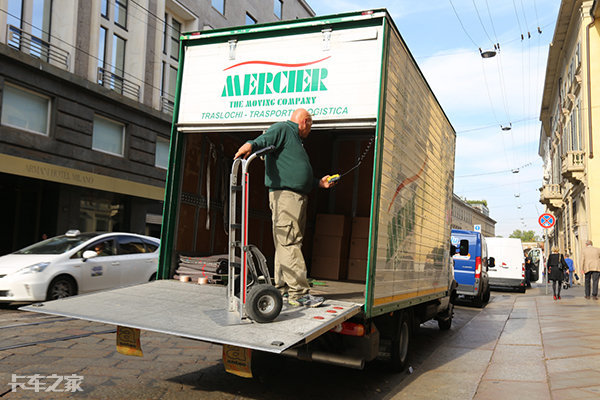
(199, 312)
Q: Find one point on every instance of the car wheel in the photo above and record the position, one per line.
(61, 287)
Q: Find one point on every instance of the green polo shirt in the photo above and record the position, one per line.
(288, 166)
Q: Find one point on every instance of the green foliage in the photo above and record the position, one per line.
(484, 202)
(525, 236)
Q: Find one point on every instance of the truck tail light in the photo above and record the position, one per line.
(350, 329)
(477, 267)
(523, 270)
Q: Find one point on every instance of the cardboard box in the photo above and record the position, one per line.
(357, 270)
(330, 246)
(360, 227)
(328, 268)
(359, 248)
(332, 225)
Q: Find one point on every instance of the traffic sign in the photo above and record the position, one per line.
(477, 228)
(546, 220)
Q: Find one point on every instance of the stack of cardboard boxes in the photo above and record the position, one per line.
(359, 248)
(330, 247)
(337, 253)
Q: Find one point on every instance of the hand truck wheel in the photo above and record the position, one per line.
(264, 303)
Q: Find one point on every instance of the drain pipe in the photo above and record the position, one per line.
(589, 83)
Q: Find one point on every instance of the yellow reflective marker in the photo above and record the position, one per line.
(128, 341)
(237, 360)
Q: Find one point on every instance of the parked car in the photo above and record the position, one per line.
(470, 266)
(506, 266)
(76, 263)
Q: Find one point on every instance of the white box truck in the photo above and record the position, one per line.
(391, 272)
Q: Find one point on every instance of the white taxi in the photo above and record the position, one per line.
(77, 263)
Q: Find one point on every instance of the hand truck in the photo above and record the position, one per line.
(247, 294)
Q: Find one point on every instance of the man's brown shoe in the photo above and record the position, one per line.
(587, 297)
(595, 297)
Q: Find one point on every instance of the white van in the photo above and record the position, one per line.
(506, 263)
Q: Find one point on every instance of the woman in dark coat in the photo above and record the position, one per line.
(556, 267)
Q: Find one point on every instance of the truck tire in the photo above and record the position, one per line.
(446, 323)
(264, 303)
(400, 351)
(486, 296)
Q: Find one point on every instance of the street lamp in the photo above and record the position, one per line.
(487, 53)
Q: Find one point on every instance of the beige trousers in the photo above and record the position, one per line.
(289, 219)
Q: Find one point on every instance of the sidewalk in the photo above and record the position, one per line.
(521, 346)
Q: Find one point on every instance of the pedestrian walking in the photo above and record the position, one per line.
(571, 265)
(590, 264)
(528, 268)
(556, 271)
(289, 177)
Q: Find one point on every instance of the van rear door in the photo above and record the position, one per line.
(464, 266)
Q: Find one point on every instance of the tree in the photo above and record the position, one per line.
(525, 236)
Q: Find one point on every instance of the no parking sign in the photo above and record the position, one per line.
(546, 220)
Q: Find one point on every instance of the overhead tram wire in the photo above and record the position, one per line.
(495, 44)
(462, 25)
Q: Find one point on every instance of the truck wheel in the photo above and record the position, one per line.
(445, 323)
(264, 303)
(486, 296)
(401, 342)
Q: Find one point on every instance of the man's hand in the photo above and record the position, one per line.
(325, 184)
(244, 151)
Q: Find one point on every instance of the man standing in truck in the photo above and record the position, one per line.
(289, 177)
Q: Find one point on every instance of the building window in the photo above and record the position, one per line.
(250, 20)
(102, 46)
(25, 110)
(170, 58)
(161, 158)
(278, 8)
(108, 136)
(172, 32)
(121, 13)
(118, 55)
(31, 17)
(104, 8)
(576, 126)
(219, 5)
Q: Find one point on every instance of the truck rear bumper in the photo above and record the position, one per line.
(507, 282)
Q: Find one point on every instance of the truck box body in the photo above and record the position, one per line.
(354, 73)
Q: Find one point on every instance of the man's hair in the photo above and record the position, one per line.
(588, 243)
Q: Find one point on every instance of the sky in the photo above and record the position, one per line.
(481, 96)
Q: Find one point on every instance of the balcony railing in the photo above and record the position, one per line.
(167, 104)
(36, 47)
(119, 84)
(551, 196)
(573, 166)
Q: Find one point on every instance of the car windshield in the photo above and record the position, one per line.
(57, 245)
